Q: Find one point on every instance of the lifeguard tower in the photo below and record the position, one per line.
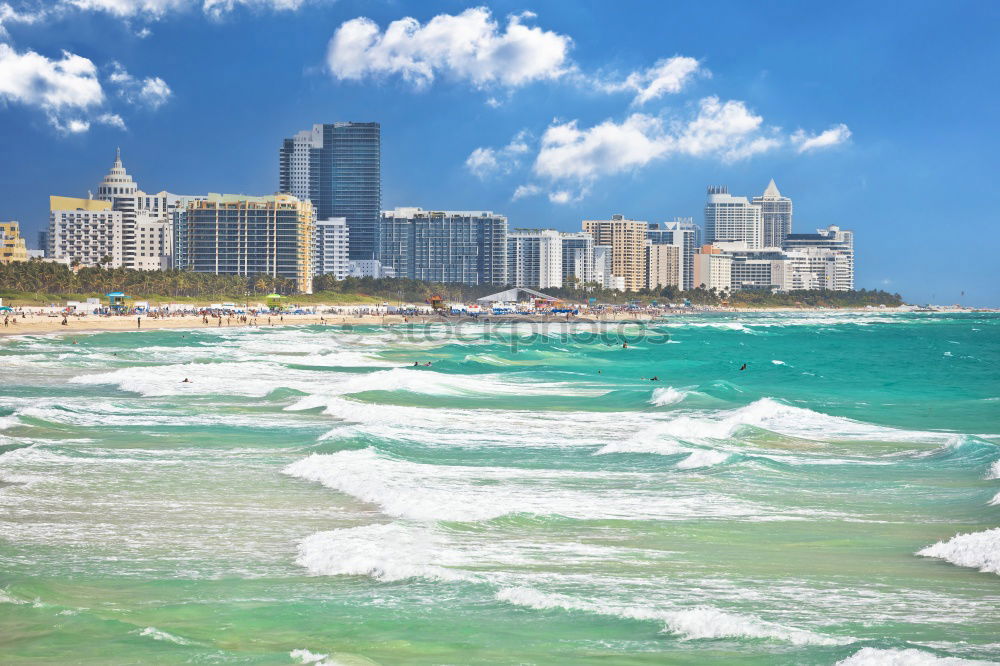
(274, 302)
(116, 301)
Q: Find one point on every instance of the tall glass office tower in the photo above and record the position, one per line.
(338, 167)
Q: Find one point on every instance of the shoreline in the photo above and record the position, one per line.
(90, 324)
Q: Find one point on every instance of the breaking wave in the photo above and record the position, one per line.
(976, 550)
(689, 624)
(875, 657)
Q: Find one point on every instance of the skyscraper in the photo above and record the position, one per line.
(338, 167)
(577, 258)
(686, 235)
(469, 247)
(233, 234)
(776, 215)
(331, 243)
(147, 226)
(627, 239)
(729, 218)
(534, 258)
(827, 255)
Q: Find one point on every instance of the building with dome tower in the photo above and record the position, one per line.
(122, 226)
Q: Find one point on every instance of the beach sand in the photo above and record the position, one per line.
(42, 324)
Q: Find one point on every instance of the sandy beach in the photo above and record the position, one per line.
(42, 324)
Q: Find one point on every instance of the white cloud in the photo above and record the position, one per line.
(9, 14)
(486, 162)
(63, 88)
(152, 10)
(482, 162)
(528, 190)
(569, 153)
(668, 75)
(729, 130)
(571, 158)
(151, 91)
(112, 119)
(470, 46)
(831, 137)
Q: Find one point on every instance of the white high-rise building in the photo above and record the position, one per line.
(604, 269)
(776, 216)
(685, 234)
(577, 258)
(87, 231)
(664, 267)
(824, 260)
(534, 258)
(147, 219)
(331, 248)
(729, 218)
(713, 269)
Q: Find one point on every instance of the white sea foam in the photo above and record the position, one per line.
(445, 492)
(703, 459)
(384, 552)
(995, 501)
(994, 472)
(689, 623)
(909, 657)
(667, 395)
(977, 550)
(260, 378)
(159, 635)
(8, 422)
(7, 598)
(777, 362)
(304, 656)
(769, 414)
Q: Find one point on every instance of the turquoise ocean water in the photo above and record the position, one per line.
(527, 499)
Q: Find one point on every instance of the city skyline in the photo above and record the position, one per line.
(457, 137)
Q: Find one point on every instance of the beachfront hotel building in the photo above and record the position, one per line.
(337, 167)
(729, 218)
(824, 260)
(664, 267)
(147, 219)
(330, 248)
(683, 233)
(577, 257)
(603, 274)
(467, 247)
(12, 246)
(235, 234)
(627, 239)
(87, 231)
(713, 269)
(534, 258)
(775, 215)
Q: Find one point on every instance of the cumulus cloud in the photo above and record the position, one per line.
(9, 14)
(151, 91)
(570, 157)
(152, 10)
(570, 153)
(726, 129)
(835, 135)
(470, 46)
(668, 75)
(486, 162)
(65, 88)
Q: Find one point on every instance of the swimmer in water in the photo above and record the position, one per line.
(743, 367)
(185, 381)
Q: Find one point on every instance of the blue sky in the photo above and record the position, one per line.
(879, 117)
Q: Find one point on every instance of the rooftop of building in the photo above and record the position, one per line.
(411, 212)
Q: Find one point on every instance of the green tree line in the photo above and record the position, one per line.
(39, 277)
